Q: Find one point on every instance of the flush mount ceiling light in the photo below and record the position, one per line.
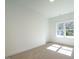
(51, 0)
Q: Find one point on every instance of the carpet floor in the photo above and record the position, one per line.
(41, 53)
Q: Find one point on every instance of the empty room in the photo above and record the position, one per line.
(39, 29)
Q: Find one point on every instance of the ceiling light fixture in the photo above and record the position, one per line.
(51, 0)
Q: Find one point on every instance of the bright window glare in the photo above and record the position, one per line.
(65, 52)
(67, 48)
(56, 45)
(52, 48)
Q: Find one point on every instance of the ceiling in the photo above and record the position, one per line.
(46, 8)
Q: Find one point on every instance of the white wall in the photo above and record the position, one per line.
(52, 29)
(25, 28)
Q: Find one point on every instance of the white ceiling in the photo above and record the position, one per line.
(48, 9)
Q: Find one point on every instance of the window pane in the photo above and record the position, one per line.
(60, 26)
(69, 33)
(60, 29)
(69, 25)
(60, 32)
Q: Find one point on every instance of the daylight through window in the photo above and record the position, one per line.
(65, 29)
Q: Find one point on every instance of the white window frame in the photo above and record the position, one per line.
(62, 36)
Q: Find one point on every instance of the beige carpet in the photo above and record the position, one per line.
(41, 53)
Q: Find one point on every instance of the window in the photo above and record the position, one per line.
(65, 29)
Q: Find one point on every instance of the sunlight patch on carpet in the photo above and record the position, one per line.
(61, 49)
